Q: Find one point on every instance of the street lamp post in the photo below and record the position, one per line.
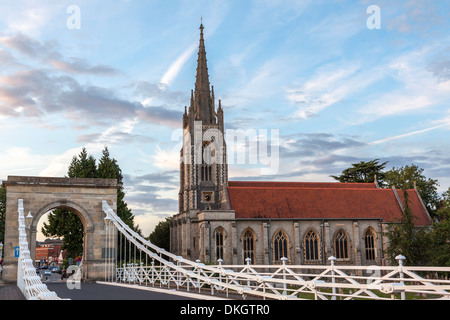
(29, 218)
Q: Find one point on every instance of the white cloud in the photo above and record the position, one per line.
(330, 85)
(27, 18)
(57, 165)
(409, 134)
(167, 159)
(261, 84)
(147, 222)
(176, 66)
(418, 89)
(439, 124)
(22, 161)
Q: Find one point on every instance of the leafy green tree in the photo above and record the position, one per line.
(439, 247)
(408, 177)
(65, 223)
(407, 240)
(161, 235)
(363, 172)
(109, 169)
(421, 246)
(444, 205)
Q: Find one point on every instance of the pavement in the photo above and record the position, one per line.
(106, 291)
(10, 292)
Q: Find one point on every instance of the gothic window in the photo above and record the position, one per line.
(248, 245)
(206, 170)
(311, 247)
(341, 245)
(369, 242)
(220, 235)
(280, 246)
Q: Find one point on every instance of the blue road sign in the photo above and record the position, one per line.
(16, 251)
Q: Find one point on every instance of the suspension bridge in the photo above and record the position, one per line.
(132, 259)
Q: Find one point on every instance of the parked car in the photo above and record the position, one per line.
(47, 273)
(56, 270)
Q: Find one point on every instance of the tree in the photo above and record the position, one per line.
(409, 177)
(363, 172)
(444, 205)
(65, 223)
(161, 235)
(82, 167)
(439, 248)
(109, 169)
(405, 239)
(421, 246)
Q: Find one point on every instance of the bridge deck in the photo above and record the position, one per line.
(103, 291)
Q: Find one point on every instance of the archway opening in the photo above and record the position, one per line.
(59, 242)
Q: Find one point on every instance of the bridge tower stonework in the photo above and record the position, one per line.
(42, 194)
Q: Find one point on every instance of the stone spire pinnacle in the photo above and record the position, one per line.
(203, 104)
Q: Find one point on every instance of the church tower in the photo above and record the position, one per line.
(203, 169)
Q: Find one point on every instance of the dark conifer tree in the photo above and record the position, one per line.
(65, 223)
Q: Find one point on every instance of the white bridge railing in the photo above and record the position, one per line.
(140, 262)
(27, 279)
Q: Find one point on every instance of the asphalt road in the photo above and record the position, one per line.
(96, 291)
(53, 277)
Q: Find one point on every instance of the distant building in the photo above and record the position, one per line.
(305, 222)
(49, 252)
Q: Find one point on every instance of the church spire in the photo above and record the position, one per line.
(203, 103)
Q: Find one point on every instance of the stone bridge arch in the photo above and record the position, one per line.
(42, 194)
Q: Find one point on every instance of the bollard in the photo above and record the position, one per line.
(283, 261)
(333, 280)
(400, 259)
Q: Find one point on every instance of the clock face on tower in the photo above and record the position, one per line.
(208, 197)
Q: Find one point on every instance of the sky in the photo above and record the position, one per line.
(329, 83)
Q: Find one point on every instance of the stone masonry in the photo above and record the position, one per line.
(42, 194)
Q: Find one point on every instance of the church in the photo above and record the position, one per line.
(266, 222)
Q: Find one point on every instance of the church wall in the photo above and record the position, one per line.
(199, 238)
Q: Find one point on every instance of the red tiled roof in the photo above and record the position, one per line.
(298, 200)
(275, 184)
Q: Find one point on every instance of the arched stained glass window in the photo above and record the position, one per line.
(341, 245)
(248, 245)
(311, 247)
(220, 235)
(280, 246)
(369, 243)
